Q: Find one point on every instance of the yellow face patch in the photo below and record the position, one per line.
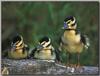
(69, 22)
(19, 43)
(20, 46)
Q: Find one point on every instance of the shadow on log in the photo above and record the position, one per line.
(32, 66)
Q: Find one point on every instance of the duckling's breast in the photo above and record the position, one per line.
(44, 54)
(17, 54)
(71, 42)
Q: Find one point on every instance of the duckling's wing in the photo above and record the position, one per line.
(5, 53)
(57, 52)
(32, 52)
(85, 41)
(77, 31)
(27, 47)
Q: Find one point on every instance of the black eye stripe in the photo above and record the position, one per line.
(73, 24)
(21, 44)
(68, 22)
(48, 45)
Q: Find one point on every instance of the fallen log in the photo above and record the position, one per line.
(32, 66)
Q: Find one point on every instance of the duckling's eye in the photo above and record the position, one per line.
(73, 24)
(68, 22)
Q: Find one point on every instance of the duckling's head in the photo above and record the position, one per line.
(70, 23)
(44, 42)
(17, 42)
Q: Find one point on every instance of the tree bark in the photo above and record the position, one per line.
(32, 66)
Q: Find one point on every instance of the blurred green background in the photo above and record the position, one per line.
(34, 20)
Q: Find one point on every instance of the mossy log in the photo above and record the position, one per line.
(33, 66)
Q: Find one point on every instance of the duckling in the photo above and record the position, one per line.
(19, 49)
(72, 41)
(45, 50)
(5, 71)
